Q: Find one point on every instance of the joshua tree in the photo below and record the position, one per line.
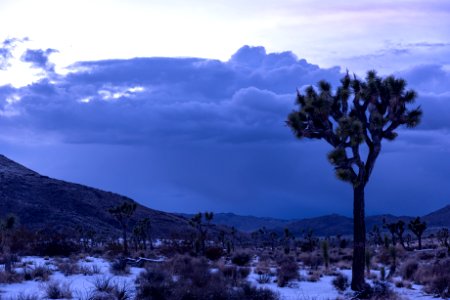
(377, 108)
(141, 234)
(443, 236)
(375, 235)
(202, 229)
(123, 213)
(326, 253)
(397, 229)
(287, 240)
(6, 228)
(417, 227)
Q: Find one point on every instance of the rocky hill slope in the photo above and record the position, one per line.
(43, 202)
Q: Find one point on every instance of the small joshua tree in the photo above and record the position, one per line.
(141, 234)
(6, 228)
(326, 253)
(202, 229)
(397, 229)
(123, 213)
(377, 108)
(417, 227)
(443, 236)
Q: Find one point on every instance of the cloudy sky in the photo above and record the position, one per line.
(181, 104)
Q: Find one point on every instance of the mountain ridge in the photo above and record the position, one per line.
(330, 224)
(43, 202)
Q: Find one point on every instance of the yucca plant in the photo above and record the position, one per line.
(359, 113)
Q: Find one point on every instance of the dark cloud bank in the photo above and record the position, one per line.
(189, 134)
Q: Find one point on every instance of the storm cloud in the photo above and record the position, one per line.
(190, 134)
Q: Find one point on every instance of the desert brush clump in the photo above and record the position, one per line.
(340, 282)
(57, 290)
(191, 278)
(287, 271)
(241, 258)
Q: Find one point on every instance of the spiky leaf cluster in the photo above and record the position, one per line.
(357, 112)
(417, 226)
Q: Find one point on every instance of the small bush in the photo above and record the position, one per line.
(122, 292)
(103, 284)
(57, 290)
(408, 269)
(440, 286)
(243, 272)
(241, 258)
(213, 253)
(340, 282)
(119, 267)
(435, 277)
(287, 271)
(263, 278)
(12, 277)
(41, 273)
(248, 292)
(313, 276)
(263, 271)
(22, 296)
(154, 284)
(68, 268)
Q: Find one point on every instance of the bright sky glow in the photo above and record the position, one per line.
(326, 33)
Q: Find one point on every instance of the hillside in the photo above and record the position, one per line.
(439, 218)
(43, 202)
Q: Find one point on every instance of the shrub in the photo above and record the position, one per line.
(213, 253)
(263, 278)
(340, 282)
(22, 296)
(154, 284)
(119, 267)
(157, 283)
(313, 276)
(241, 258)
(408, 269)
(439, 285)
(263, 271)
(248, 292)
(379, 291)
(56, 248)
(41, 273)
(287, 271)
(243, 272)
(11, 277)
(122, 292)
(57, 290)
(435, 277)
(103, 284)
(68, 268)
(89, 270)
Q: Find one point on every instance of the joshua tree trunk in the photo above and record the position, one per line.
(125, 241)
(359, 238)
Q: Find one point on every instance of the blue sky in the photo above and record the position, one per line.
(163, 101)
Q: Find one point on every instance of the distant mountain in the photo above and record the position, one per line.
(325, 225)
(439, 218)
(43, 202)
(244, 223)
